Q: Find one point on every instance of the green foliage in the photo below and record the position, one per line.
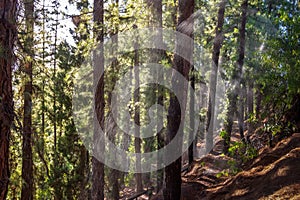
(242, 152)
(202, 164)
(222, 173)
(232, 170)
(223, 134)
(252, 118)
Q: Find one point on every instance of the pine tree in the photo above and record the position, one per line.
(7, 39)
(27, 161)
(175, 117)
(97, 166)
(233, 95)
(218, 40)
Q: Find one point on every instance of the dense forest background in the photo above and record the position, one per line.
(245, 74)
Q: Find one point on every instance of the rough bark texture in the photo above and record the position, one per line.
(7, 38)
(218, 41)
(27, 163)
(175, 117)
(98, 167)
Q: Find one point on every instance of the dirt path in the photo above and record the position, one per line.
(274, 174)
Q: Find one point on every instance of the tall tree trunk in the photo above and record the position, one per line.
(97, 166)
(233, 97)
(241, 110)
(203, 104)
(7, 39)
(137, 140)
(240, 64)
(82, 172)
(57, 173)
(175, 117)
(192, 117)
(156, 57)
(218, 41)
(27, 163)
(113, 173)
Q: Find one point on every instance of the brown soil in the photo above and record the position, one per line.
(274, 174)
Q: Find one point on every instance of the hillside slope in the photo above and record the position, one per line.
(274, 174)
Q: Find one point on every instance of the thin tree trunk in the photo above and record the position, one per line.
(114, 174)
(203, 104)
(241, 111)
(82, 172)
(7, 39)
(54, 81)
(27, 162)
(218, 41)
(137, 140)
(240, 63)
(175, 117)
(233, 97)
(97, 166)
(126, 139)
(156, 56)
(57, 175)
(258, 100)
(192, 116)
(250, 107)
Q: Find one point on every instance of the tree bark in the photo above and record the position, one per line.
(27, 162)
(192, 116)
(137, 140)
(175, 117)
(218, 41)
(7, 39)
(113, 173)
(233, 97)
(155, 57)
(98, 167)
(241, 110)
(240, 64)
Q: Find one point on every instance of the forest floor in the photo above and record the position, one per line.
(273, 174)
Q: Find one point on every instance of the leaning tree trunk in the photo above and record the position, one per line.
(97, 166)
(27, 163)
(233, 96)
(213, 77)
(175, 117)
(7, 38)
